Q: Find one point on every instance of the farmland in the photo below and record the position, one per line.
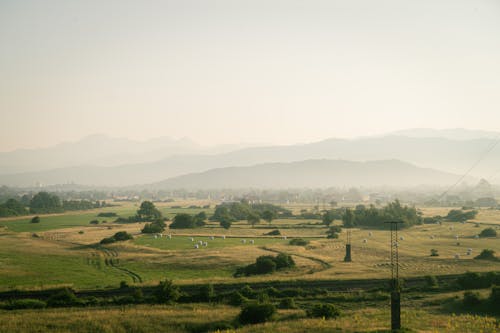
(64, 250)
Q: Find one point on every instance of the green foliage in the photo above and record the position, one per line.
(472, 280)
(494, 298)
(237, 299)
(120, 236)
(375, 217)
(26, 303)
(12, 207)
(183, 221)
(434, 253)
(487, 254)
(35, 219)
(330, 215)
(488, 232)
(431, 281)
(64, 298)
(254, 313)
(148, 212)
(268, 215)
(80, 204)
(266, 265)
(155, 227)
(253, 219)
(225, 223)
(167, 292)
(458, 215)
(333, 232)
(44, 202)
(94, 222)
(287, 303)
(326, 311)
(298, 242)
(471, 299)
(207, 293)
(107, 214)
(275, 232)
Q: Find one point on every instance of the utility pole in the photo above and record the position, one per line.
(395, 286)
(347, 257)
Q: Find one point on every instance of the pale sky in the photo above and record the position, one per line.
(245, 71)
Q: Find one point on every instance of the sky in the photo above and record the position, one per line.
(231, 71)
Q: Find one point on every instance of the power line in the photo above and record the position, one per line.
(479, 160)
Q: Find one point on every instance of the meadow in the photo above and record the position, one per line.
(64, 250)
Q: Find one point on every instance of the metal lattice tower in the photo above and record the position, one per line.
(395, 286)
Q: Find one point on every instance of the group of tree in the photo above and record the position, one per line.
(45, 203)
(120, 236)
(459, 215)
(266, 265)
(188, 221)
(148, 212)
(373, 217)
(227, 213)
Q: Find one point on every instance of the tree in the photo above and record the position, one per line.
(44, 202)
(348, 218)
(183, 221)
(148, 212)
(488, 232)
(328, 217)
(167, 292)
(35, 219)
(225, 223)
(333, 232)
(268, 216)
(253, 219)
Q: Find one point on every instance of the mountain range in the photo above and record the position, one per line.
(103, 161)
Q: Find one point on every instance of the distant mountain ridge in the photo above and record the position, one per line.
(452, 156)
(312, 174)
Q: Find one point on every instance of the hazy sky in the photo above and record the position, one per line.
(245, 71)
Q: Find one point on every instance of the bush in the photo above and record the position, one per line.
(299, 242)
(122, 236)
(287, 303)
(107, 214)
(94, 222)
(254, 313)
(154, 227)
(167, 292)
(265, 265)
(333, 232)
(63, 298)
(457, 215)
(486, 254)
(35, 219)
(471, 299)
(434, 253)
(494, 298)
(488, 232)
(237, 299)
(26, 303)
(431, 281)
(474, 281)
(275, 232)
(207, 293)
(323, 311)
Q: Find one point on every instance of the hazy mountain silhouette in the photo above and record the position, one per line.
(312, 173)
(454, 156)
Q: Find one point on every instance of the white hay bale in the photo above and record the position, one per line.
(401, 238)
(169, 236)
(196, 246)
(370, 234)
(284, 237)
(156, 237)
(211, 237)
(244, 241)
(205, 243)
(365, 240)
(192, 239)
(251, 241)
(223, 237)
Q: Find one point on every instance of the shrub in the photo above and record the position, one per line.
(265, 265)
(254, 313)
(207, 293)
(237, 299)
(107, 214)
(474, 281)
(94, 222)
(63, 298)
(434, 253)
(107, 240)
(275, 232)
(35, 219)
(26, 303)
(153, 228)
(284, 261)
(431, 281)
(488, 232)
(167, 292)
(471, 299)
(299, 242)
(494, 298)
(333, 232)
(486, 254)
(122, 236)
(323, 311)
(287, 303)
